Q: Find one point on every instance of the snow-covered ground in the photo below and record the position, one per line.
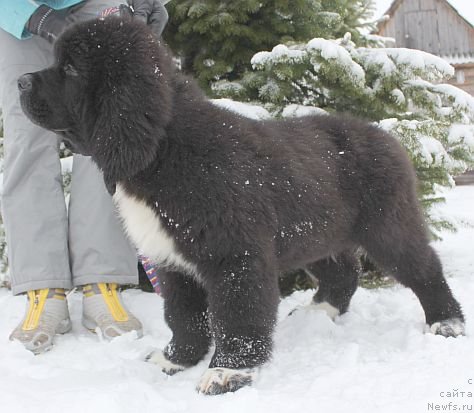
(375, 358)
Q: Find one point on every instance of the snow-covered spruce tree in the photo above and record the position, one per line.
(400, 89)
(216, 39)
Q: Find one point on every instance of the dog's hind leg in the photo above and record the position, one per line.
(338, 279)
(243, 303)
(399, 245)
(186, 315)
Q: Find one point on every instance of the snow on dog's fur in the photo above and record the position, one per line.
(225, 203)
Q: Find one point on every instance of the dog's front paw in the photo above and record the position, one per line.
(157, 357)
(451, 327)
(221, 380)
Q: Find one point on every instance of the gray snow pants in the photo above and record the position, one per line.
(46, 247)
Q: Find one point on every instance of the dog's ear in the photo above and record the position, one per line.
(131, 97)
(127, 132)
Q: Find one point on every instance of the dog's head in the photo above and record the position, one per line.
(107, 95)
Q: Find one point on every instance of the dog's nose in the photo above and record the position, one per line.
(25, 82)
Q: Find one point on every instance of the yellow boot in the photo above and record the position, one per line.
(103, 308)
(46, 315)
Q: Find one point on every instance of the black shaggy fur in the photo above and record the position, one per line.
(243, 200)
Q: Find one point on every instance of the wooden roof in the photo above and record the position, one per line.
(434, 26)
(396, 3)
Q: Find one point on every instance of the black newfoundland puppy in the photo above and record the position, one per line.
(224, 203)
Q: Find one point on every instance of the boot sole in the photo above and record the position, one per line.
(92, 327)
(63, 327)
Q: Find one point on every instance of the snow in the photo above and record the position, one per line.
(295, 110)
(279, 52)
(460, 98)
(389, 58)
(416, 135)
(326, 49)
(398, 96)
(431, 150)
(462, 133)
(66, 165)
(330, 50)
(245, 109)
(377, 57)
(420, 60)
(375, 358)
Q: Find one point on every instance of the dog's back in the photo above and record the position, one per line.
(313, 184)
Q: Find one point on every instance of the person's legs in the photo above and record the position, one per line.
(99, 250)
(38, 230)
(33, 206)
(101, 255)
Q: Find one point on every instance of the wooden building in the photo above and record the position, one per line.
(434, 26)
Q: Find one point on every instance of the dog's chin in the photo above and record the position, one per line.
(43, 122)
(71, 142)
(38, 114)
(35, 118)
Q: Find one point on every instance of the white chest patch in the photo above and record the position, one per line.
(148, 234)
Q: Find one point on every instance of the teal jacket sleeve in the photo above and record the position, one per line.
(15, 13)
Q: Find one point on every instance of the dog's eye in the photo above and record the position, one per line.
(70, 70)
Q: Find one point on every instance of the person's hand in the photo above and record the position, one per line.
(48, 23)
(151, 12)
